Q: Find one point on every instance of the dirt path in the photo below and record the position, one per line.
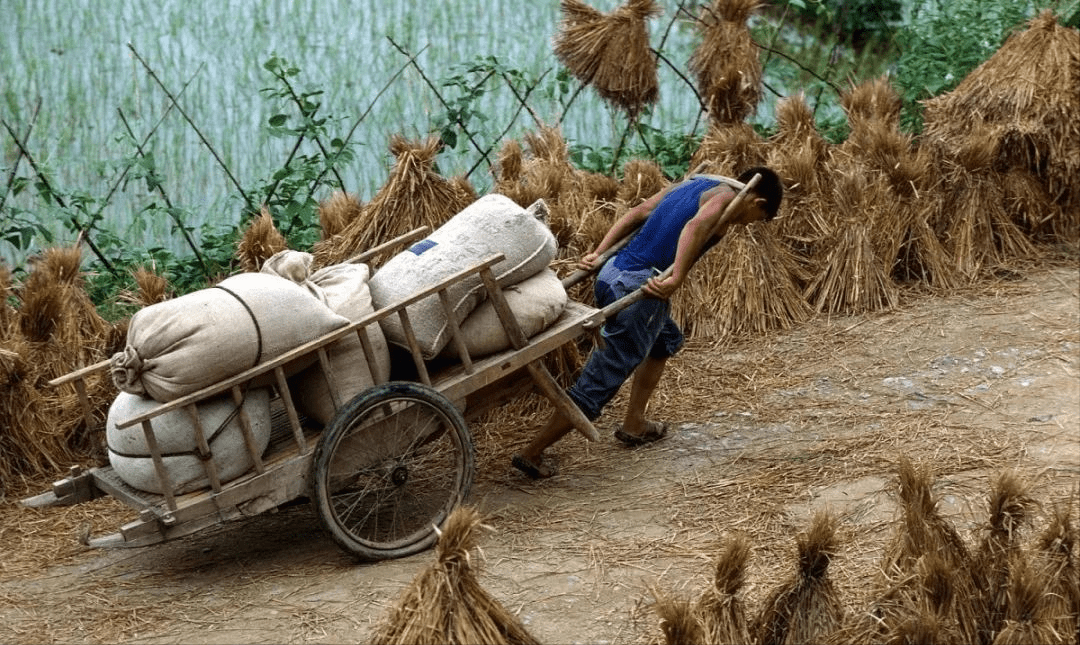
(970, 384)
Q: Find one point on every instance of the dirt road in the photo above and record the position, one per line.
(765, 432)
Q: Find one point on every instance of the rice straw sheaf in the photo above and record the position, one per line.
(610, 52)
(337, 211)
(849, 274)
(7, 312)
(1029, 206)
(1025, 98)
(1010, 508)
(747, 284)
(807, 607)
(1029, 617)
(679, 623)
(641, 179)
(728, 149)
(445, 603)
(1056, 554)
(726, 63)
(151, 288)
(722, 611)
(261, 239)
(413, 196)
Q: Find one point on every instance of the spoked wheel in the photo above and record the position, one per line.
(389, 469)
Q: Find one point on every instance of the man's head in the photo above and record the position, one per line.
(767, 193)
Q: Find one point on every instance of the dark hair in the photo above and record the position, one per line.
(769, 186)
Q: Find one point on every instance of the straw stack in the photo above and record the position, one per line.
(1023, 99)
(337, 212)
(414, 195)
(725, 63)
(747, 284)
(445, 603)
(679, 622)
(611, 51)
(1010, 508)
(1028, 616)
(805, 608)
(55, 330)
(722, 611)
(261, 239)
(729, 148)
(1056, 555)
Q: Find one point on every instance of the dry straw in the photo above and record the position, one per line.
(1056, 554)
(261, 239)
(1024, 100)
(679, 623)
(729, 148)
(445, 603)
(747, 284)
(806, 608)
(611, 51)
(725, 64)
(415, 195)
(337, 211)
(722, 610)
(1010, 508)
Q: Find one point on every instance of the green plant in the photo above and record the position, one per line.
(944, 41)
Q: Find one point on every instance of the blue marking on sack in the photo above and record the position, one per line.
(422, 246)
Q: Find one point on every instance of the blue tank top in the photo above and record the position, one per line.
(655, 244)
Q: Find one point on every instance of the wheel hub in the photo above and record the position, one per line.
(399, 475)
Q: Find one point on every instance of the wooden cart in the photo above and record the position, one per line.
(383, 473)
(392, 463)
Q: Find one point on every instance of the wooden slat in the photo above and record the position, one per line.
(245, 427)
(159, 465)
(209, 465)
(401, 240)
(456, 336)
(290, 410)
(414, 347)
(80, 373)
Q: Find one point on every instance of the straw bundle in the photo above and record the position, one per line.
(413, 196)
(1024, 98)
(1010, 507)
(7, 313)
(1029, 206)
(611, 51)
(261, 239)
(55, 330)
(445, 603)
(1028, 619)
(337, 211)
(922, 531)
(642, 178)
(748, 283)
(799, 154)
(1056, 554)
(806, 608)
(678, 621)
(722, 612)
(725, 64)
(151, 288)
(729, 148)
(850, 274)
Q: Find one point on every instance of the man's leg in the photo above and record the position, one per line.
(530, 459)
(646, 378)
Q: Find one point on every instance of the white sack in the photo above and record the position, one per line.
(344, 289)
(175, 436)
(182, 345)
(536, 302)
(492, 224)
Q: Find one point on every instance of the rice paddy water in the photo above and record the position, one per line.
(74, 57)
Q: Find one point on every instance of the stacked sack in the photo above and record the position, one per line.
(492, 224)
(343, 288)
(180, 346)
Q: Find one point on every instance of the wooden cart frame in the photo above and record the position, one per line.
(392, 463)
(302, 458)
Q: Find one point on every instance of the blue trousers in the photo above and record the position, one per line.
(644, 329)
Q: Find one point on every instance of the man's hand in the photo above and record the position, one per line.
(589, 261)
(662, 288)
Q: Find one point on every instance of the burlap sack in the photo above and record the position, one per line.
(182, 345)
(174, 432)
(344, 289)
(493, 224)
(536, 302)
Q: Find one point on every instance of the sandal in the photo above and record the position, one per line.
(655, 432)
(531, 470)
